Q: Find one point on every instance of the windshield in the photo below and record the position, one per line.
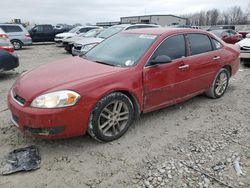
(74, 30)
(217, 32)
(91, 33)
(122, 50)
(109, 32)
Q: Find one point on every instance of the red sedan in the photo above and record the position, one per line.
(228, 35)
(133, 72)
(244, 31)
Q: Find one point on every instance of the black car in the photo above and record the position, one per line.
(8, 61)
(46, 32)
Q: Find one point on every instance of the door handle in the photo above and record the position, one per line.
(216, 58)
(184, 66)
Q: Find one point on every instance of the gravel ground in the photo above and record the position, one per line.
(199, 143)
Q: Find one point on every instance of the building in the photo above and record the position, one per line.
(163, 20)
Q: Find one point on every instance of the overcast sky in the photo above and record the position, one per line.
(92, 11)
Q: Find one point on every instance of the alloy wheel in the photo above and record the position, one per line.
(113, 118)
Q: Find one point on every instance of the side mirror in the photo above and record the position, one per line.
(78, 32)
(161, 59)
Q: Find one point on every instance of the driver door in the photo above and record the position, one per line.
(166, 84)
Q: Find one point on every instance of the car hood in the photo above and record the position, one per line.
(90, 40)
(60, 75)
(73, 39)
(244, 42)
(66, 35)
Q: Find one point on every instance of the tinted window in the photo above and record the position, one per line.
(38, 29)
(217, 45)
(122, 49)
(174, 47)
(48, 28)
(84, 30)
(11, 28)
(200, 43)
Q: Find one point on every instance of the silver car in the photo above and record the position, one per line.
(73, 32)
(18, 35)
(83, 46)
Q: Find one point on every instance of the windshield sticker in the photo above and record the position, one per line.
(129, 63)
(147, 37)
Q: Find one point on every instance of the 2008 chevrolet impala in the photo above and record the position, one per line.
(133, 72)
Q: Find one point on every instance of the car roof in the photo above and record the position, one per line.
(9, 24)
(161, 31)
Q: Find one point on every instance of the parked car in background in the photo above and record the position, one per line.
(18, 35)
(43, 33)
(128, 74)
(61, 28)
(244, 46)
(228, 35)
(5, 43)
(8, 61)
(218, 27)
(244, 31)
(83, 46)
(73, 32)
(68, 43)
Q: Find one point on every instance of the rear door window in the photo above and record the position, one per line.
(174, 47)
(199, 43)
(11, 28)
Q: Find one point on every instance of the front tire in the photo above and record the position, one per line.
(111, 117)
(220, 84)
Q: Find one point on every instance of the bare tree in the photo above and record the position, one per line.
(202, 19)
(214, 15)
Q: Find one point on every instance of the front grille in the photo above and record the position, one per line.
(59, 37)
(77, 46)
(18, 98)
(15, 118)
(245, 48)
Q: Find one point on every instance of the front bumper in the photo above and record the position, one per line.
(49, 123)
(58, 42)
(245, 54)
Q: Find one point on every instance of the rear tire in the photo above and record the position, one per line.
(111, 117)
(220, 84)
(17, 44)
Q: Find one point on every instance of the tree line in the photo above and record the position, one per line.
(233, 16)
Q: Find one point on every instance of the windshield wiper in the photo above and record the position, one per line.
(104, 63)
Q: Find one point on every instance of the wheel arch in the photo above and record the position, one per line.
(229, 68)
(12, 40)
(133, 98)
(130, 95)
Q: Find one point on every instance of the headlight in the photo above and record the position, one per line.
(88, 47)
(56, 99)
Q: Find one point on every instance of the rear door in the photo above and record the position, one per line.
(49, 33)
(167, 83)
(204, 62)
